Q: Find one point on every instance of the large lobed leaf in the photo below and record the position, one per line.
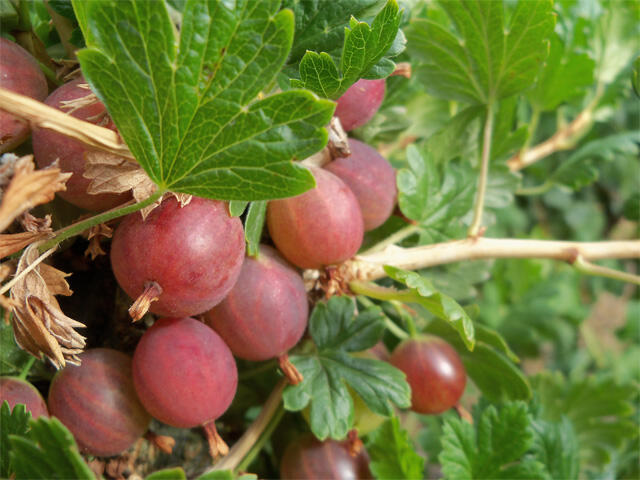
(328, 370)
(392, 455)
(487, 60)
(12, 422)
(187, 105)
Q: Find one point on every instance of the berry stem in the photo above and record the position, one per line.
(289, 369)
(389, 324)
(27, 367)
(257, 446)
(79, 227)
(474, 229)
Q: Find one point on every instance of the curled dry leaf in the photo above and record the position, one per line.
(39, 325)
(95, 234)
(14, 242)
(36, 225)
(338, 140)
(111, 173)
(29, 187)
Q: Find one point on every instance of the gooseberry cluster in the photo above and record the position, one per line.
(186, 263)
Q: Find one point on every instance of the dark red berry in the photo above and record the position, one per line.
(265, 313)
(434, 372)
(49, 146)
(15, 390)
(309, 458)
(184, 374)
(96, 401)
(194, 253)
(360, 103)
(20, 73)
(321, 227)
(371, 178)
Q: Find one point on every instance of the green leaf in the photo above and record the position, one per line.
(435, 201)
(364, 46)
(237, 207)
(631, 207)
(635, 76)
(422, 291)
(48, 452)
(187, 106)
(566, 75)
(579, 170)
(490, 365)
(556, 447)
(333, 325)
(505, 141)
(485, 60)
(253, 226)
(330, 368)
(321, 28)
(12, 358)
(494, 447)
(12, 422)
(600, 411)
(176, 473)
(227, 475)
(391, 452)
(458, 138)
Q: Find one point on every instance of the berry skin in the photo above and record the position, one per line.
(185, 375)
(371, 178)
(20, 73)
(194, 253)
(266, 311)
(96, 401)
(309, 458)
(321, 227)
(49, 146)
(15, 390)
(434, 372)
(360, 103)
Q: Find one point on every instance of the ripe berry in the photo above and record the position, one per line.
(371, 178)
(360, 103)
(321, 227)
(49, 146)
(309, 458)
(96, 401)
(434, 372)
(265, 313)
(186, 257)
(15, 390)
(20, 73)
(185, 375)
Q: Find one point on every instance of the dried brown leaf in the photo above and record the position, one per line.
(29, 187)
(338, 141)
(95, 235)
(14, 242)
(111, 173)
(183, 199)
(36, 225)
(39, 326)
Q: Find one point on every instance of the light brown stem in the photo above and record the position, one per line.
(370, 267)
(44, 116)
(563, 139)
(242, 447)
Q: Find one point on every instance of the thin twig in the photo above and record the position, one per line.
(44, 116)
(370, 267)
(589, 268)
(243, 446)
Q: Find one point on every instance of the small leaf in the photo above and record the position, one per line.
(487, 60)
(176, 473)
(12, 422)
(631, 207)
(556, 447)
(333, 325)
(363, 49)
(391, 452)
(495, 448)
(49, 451)
(328, 370)
(254, 225)
(187, 105)
(442, 306)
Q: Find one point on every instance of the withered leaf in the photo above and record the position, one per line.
(95, 234)
(36, 225)
(29, 187)
(39, 325)
(111, 173)
(14, 242)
